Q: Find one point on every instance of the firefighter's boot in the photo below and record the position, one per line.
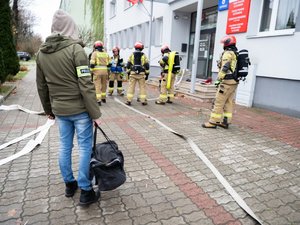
(169, 100)
(224, 124)
(209, 125)
(159, 102)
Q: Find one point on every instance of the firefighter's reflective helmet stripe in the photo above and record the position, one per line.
(227, 114)
(83, 71)
(216, 115)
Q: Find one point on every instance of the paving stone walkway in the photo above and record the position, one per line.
(167, 184)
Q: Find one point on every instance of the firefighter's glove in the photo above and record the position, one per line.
(217, 83)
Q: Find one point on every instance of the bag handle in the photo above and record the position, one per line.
(104, 134)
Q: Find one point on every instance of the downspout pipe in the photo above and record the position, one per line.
(196, 45)
(150, 32)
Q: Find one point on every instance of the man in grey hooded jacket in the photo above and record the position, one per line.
(67, 93)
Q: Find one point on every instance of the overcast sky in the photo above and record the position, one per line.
(43, 10)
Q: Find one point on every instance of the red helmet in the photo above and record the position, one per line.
(116, 49)
(139, 45)
(164, 48)
(228, 40)
(98, 44)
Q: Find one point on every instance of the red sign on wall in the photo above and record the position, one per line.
(237, 19)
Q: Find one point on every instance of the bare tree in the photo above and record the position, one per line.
(86, 35)
(23, 22)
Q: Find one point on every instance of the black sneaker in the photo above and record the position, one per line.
(71, 188)
(144, 103)
(128, 103)
(99, 103)
(88, 197)
(103, 100)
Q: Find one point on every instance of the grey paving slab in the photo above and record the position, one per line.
(166, 182)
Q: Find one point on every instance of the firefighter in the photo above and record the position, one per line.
(99, 67)
(138, 70)
(169, 67)
(116, 72)
(221, 114)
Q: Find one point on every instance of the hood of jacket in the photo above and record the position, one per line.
(63, 24)
(57, 42)
(64, 33)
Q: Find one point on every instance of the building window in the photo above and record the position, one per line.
(139, 32)
(279, 15)
(119, 39)
(145, 35)
(112, 8)
(124, 38)
(158, 31)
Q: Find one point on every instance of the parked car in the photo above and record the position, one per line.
(25, 56)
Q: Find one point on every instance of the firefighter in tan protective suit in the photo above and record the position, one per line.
(138, 70)
(221, 114)
(99, 67)
(169, 70)
(116, 72)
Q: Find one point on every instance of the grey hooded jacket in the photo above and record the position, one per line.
(63, 78)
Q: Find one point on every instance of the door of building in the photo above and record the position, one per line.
(206, 42)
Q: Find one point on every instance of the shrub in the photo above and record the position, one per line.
(7, 46)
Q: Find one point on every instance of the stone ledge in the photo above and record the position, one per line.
(204, 93)
(5, 96)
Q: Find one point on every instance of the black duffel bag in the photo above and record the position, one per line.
(107, 164)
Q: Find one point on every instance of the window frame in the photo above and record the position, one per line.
(272, 28)
(113, 8)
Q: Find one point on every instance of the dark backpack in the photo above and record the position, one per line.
(176, 66)
(242, 66)
(137, 66)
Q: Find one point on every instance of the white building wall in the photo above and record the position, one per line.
(274, 58)
(274, 55)
(128, 17)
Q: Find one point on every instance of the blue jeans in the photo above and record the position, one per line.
(83, 125)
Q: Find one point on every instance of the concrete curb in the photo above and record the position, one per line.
(5, 96)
